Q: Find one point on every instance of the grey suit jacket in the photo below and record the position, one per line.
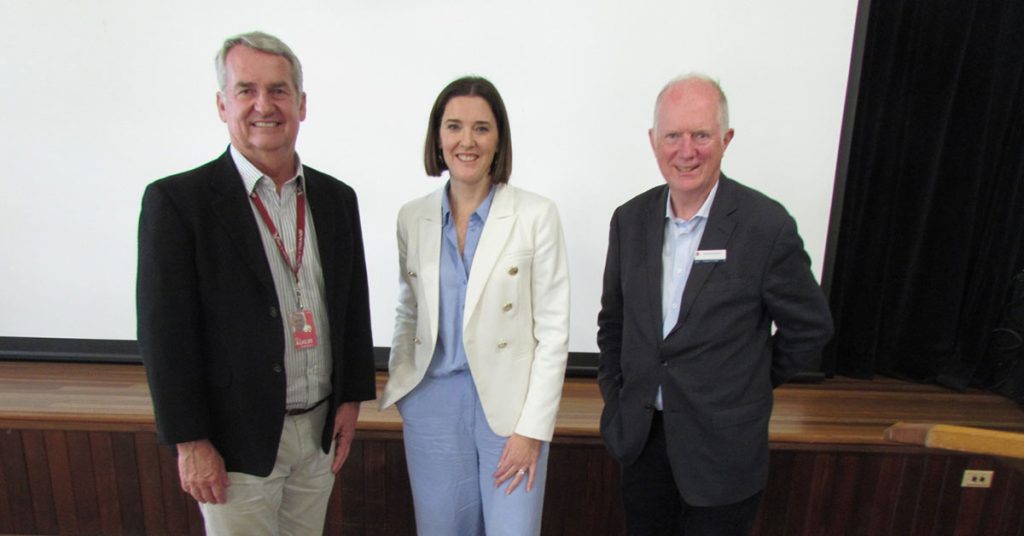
(719, 364)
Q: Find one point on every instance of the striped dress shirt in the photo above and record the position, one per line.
(308, 371)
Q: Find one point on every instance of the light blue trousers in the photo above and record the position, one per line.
(452, 454)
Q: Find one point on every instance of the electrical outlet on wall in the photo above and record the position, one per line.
(974, 478)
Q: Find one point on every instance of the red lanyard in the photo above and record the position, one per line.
(300, 229)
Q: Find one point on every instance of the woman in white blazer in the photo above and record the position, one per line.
(481, 334)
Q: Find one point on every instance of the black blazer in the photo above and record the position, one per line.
(719, 364)
(209, 323)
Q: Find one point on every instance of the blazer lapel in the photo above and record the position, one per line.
(324, 214)
(428, 257)
(492, 241)
(230, 202)
(717, 231)
(654, 241)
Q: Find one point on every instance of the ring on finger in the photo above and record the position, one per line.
(521, 472)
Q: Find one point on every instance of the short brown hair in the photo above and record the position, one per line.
(469, 86)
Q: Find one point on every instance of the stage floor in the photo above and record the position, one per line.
(843, 411)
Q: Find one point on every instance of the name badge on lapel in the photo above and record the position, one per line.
(709, 255)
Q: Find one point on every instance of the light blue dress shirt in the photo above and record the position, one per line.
(681, 240)
(450, 354)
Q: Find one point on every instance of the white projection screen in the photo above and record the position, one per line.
(102, 97)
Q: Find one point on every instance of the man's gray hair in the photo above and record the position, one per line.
(723, 104)
(263, 42)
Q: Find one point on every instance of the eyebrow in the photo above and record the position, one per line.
(273, 85)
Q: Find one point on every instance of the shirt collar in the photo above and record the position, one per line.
(481, 211)
(705, 209)
(251, 175)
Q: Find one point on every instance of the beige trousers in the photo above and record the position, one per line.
(292, 499)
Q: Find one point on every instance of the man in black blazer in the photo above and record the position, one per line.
(697, 271)
(253, 309)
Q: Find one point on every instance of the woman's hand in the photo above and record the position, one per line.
(518, 460)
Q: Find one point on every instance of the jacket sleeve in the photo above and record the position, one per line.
(406, 311)
(359, 378)
(549, 288)
(609, 321)
(796, 305)
(169, 330)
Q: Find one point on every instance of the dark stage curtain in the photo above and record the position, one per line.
(932, 224)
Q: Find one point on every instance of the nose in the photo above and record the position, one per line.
(467, 139)
(687, 148)
(263, 103)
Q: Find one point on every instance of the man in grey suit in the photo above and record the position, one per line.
(698, 269)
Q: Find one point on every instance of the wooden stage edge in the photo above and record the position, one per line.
(840, 411)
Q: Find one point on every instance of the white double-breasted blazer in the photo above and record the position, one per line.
(516, 319)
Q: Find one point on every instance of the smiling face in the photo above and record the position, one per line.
(260, 104)
(688, 140)
(468, 138)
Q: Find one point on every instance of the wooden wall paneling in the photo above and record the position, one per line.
(908, 498)
(800, 497)
(129, 489)
(1002, 512)
(399, 517)
(107, 498)
(582, 495)
(929, 496)
(946, 520)
(573, 503)
(60, 480)
(345, 511)
(1016, 492)
(972, 501)
(6, 523)
(148, 462)
(862, 499)
(38, 470)
(552, 522)
(887, 488)
(606, 493)
(997, 506)
(175, 501)
(375, 488)
(771, 518)
(15, 498)
(820, 483)
(83, 482)
(809, 493)
(840, 506)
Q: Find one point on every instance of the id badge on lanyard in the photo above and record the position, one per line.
(300, 321)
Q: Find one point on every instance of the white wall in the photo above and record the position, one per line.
(101, 97)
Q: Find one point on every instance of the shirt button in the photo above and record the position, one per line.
(507, 307)
(664, 363)
(278, 368)
(412, 273)
(273, 312)
(502, 343)
(513, 270)
(416, 340)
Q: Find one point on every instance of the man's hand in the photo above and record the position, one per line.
(344, 430)
(201, 470)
